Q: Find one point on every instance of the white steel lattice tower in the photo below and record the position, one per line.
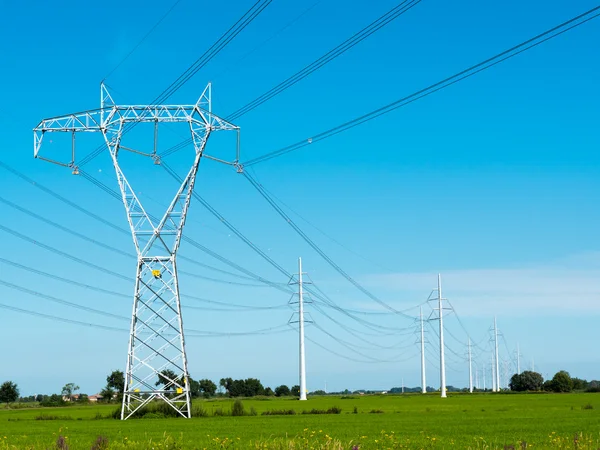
(156, 342)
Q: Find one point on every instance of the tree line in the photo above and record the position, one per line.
(251, 387)
(560, 382)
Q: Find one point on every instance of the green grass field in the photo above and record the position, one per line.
(475, 421)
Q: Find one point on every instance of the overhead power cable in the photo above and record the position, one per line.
(230, 306)
(64, 254)
(332, 54)
(203, 334)
(122, 230)
(315, 247)
(61, 319)
(469, 72)
(63, 302)
(260, 252)
(141, 41)
(193, 69)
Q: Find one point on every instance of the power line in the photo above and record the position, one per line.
(332, 54)
(63, 254)
(488, 63)
(195, 67)
(61, 301)
(349, 43)
(315, 247)
(117, 196)
(327, 302)
(231, 306)
(60, 319)
(141, 41)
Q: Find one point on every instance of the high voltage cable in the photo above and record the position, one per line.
(65, 229)
(328, 236)
(61, 319)
(473, 344)
(315, 247)
(141, 41)
(332, 54)
(373, 346)
(349, 43)
(187, 239)
(63, 302)
(212, 51)
(63, 254)
(255, 247)
(108, 223)
(351, 331)
(63, 199)
(488, 63)
(273, 36)
(63, 280)
(239, 307)
(204, 334)
(114, 249)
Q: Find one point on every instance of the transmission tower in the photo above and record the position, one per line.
(301, 320)
(156, 341)
(470, 367)
(423, 382)
(439, 299)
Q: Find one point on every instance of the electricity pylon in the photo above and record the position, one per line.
(301, 321)
(156, 341)
(422, 342)
(439, 299)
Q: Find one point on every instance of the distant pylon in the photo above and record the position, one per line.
(440, 317)
(301, 320)
(423, 382)
(470, 368)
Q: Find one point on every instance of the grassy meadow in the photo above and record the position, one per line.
(477, 421)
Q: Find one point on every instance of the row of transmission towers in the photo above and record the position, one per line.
(156, 341)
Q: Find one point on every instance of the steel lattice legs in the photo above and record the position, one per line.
(156, 342)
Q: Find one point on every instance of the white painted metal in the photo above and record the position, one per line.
(301, 322)
(442, 360)
(156, 341)
(423, 382)
(301, 327)
(497, 365)
(470, 368)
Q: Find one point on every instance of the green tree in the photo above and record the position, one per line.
(253, 387)
(116, 381)
(579, 384)
(166, 378)
(195, 390)
(107, 394)
(207, 387)
(562, 382)
(295, 391)
(282, 391)
(269, 392)
(526, 381)
(69, 390)
(9, 392)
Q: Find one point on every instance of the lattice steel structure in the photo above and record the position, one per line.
(156, 342)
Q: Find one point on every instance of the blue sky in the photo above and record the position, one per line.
(493, 182)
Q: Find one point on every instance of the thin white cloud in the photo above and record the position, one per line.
(568, 286)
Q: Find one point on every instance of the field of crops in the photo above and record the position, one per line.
(478, 421)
